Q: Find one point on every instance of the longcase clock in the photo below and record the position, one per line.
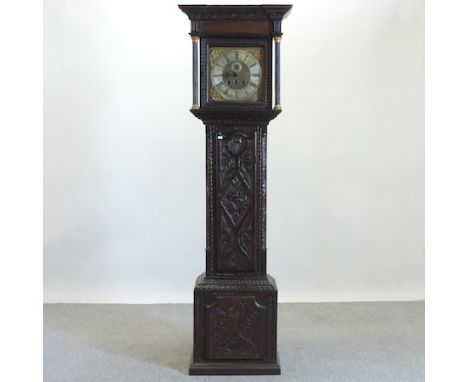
(235, 310)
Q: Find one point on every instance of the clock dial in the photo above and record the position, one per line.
(236, 75)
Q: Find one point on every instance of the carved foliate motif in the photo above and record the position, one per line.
(234, 328)
(236, 144)
(245, 239)
(236, 201)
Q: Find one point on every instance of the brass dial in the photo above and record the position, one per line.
(236, 75)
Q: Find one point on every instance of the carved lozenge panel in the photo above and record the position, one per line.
(235, 204)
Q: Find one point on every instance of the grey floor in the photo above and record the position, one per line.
(330, 342)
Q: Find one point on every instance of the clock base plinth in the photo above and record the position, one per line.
(235, 323)
(235, 368)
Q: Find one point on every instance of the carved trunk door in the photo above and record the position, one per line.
(236, 200)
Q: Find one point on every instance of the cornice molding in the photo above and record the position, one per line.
(230, 12)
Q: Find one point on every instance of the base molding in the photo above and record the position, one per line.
(237, 367)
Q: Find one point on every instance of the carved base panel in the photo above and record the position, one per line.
(235, 326)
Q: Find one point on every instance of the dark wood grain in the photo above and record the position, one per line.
(235, 27)
(235, 300)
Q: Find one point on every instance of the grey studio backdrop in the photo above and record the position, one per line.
(124, 191)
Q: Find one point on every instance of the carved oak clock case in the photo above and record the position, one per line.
(235, 310)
